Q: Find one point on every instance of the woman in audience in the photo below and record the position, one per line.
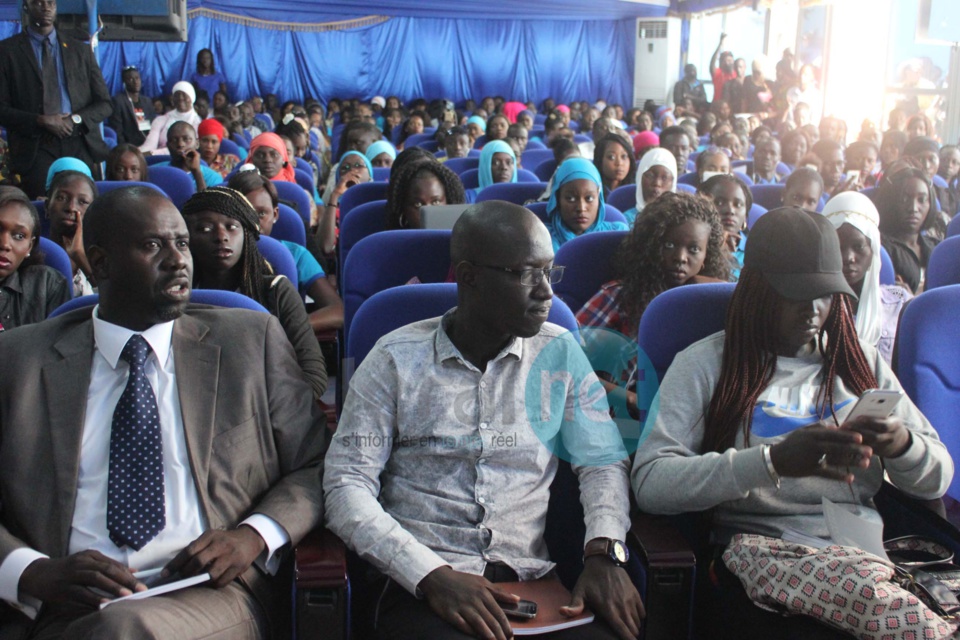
(29, 290)
(66, 164)
(476, 127)
(525, 118)
(69, 195)
(497, 127)
(576, 203)
(414, 124)
(949, 170)
(677, 241)
(877, 306)
(803, 189)
(211, 134)
(206, 76)
(126, 164)
(268, 154)
(712, 161)
(907, 208)
(732, 198)
(262, 195)
(747, 422)
(418, 183)
(656, 175)
(498, 163)
(832, 163)
(918, 126)
(613, 158)
(891, 148)
(644, 141)
(926, 153)
(224, 230)
(381, 154)
(183, 98)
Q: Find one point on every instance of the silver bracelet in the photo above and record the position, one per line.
(768, 460)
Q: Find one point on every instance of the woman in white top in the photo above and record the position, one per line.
(183, 99)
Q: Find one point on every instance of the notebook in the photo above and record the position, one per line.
(549, 595)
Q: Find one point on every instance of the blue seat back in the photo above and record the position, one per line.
(381, 174)
(177, 184)
(459, 165)
(293, 192)
(944, 266)
(56, 257)
(545, 169)
(241, 141)
(156, 159)
(391, 259)
(678, 317)
(361, 193)
(692, 179)
(229, 146)
(953, 228)
(471, 177)
(289, 226)
(589, 262)
(685, 188)
(533, 157)
(279, 258)
(768, 196)
(304, 178)
(535, 144)
(516, 192)
(754, 214)
(417, 138)
(623, 198)
(928, 364)
(887, 274)
(364, 220)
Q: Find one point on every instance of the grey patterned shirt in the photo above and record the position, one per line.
(436, 463)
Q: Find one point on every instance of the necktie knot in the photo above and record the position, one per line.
(136, 351)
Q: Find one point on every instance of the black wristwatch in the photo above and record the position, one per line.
(615, 550)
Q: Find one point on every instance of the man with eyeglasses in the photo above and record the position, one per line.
(440, 471)
(52, 98)
(132, 111)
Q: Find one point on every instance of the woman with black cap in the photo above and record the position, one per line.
(224, 230)
(752, 421)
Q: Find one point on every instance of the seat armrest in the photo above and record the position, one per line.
(659, 542)
(320, 561)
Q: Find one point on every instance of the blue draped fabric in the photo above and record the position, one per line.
(405, 56)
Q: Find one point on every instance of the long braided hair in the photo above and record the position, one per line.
(235, 205)
(750, 359)
(639, 261)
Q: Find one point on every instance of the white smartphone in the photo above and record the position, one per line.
(875, 403)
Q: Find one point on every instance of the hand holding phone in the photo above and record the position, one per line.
(522, 609)
(872, 418)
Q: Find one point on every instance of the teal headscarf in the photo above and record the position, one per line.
(486, 161)
(66, 164)
(576, 169)
(477, 120)
(378, 147)
(359, 155)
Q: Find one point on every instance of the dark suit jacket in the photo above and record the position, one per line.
(124, 120)
(254, 434)
(21, 96)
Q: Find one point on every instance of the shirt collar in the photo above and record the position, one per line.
(445, 349)
(52, 36)
(111, 339)
(13, 282)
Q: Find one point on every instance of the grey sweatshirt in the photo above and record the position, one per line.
(670, 475)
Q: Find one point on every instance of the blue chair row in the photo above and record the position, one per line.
(471, 177)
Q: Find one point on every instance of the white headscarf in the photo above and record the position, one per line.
(653, 157)
(187, 88)
(858, 211)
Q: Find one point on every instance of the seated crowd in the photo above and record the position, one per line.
(810, 328)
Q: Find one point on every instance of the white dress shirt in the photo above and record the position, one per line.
(184, 519)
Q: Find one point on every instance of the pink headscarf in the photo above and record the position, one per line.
(562, 108)
(274, 142)
(643, 141)
(512, 110)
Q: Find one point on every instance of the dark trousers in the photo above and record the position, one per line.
(738, 618)
(51, 148)
(401, 616)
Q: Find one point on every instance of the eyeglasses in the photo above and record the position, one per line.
(130, 67)
(530, 277)
(344, 168)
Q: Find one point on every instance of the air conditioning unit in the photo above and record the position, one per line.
(657, 64)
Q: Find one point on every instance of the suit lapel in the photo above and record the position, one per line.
(66, 383)
(27, 51)
(197, 365)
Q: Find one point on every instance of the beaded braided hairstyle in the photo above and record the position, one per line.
(234, 205)
(402, 183)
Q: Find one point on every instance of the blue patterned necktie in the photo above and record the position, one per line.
(135, 504)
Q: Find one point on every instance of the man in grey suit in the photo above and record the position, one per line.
(52, 98)
(223, 424)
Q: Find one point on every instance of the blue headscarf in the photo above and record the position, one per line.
(359, 155)
(577, 169)
(378, 147)
(486, 161)
(66, 164)
(477, 120)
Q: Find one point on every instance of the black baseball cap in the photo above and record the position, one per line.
(798, 254)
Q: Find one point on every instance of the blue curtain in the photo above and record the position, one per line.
(404, 56)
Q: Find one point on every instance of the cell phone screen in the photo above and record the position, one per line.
(524, 609)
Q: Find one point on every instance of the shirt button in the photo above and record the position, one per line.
(481, 500)
(482, 461)
(484, 425)
(483, 384)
